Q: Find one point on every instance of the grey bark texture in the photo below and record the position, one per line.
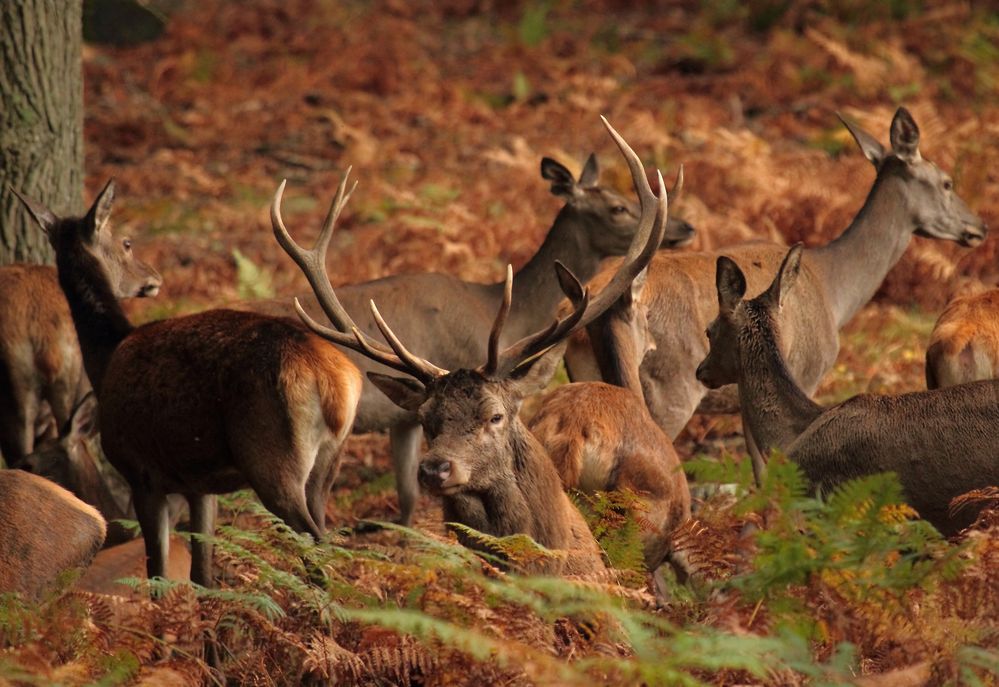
(41, 119)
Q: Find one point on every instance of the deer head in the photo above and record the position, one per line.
(128, 275)
(938, 212)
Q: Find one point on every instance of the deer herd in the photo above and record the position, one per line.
(264, 394)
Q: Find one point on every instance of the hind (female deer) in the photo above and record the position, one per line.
(490, 471)
(940, 443)
(202, 404)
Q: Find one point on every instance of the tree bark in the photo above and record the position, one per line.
(41, 119)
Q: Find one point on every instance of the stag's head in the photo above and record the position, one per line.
(91, 239)
(928, 191)
(470, 416)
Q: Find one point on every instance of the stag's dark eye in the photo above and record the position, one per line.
(948, 185)
(618, 210)
(496, 419)
(127, 243)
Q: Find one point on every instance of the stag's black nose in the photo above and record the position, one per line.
(434, 473)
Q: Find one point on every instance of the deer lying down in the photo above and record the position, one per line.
(594, 223)
(964, 344)
(490, 471)
(203, 404)
(601, 438)
(45, 531)
(941, 443)
(910, 195)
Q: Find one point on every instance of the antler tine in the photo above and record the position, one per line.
(651, 226)
(313, 265)
(678, 184)
(419, 367)
(492, 363)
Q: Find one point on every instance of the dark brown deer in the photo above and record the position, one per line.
(595, 222)
(45, 531)
(940, 443)
(910, 195)
(490, 471)
(41, 369)
(203, 404)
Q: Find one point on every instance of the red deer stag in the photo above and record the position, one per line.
(595, 222)
(45, 531)
(910, 195)
(203, 404)
(941, 443)
(41, 369)
(490, 471)
(964, 343)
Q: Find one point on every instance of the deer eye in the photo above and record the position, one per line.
(496, 419)
(127, 244)
(618, 210)
(948, 185)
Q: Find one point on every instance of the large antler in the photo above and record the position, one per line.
(313, 264)
(651, 226)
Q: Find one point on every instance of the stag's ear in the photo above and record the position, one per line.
(869, 146)
(637, 286)
(100, 212)
(45, 218)
(563, 185)
(83, 423)
(533, 375)
(904, 136)
(786, 276)
(406, 393)
(590, 176)
(730, 282)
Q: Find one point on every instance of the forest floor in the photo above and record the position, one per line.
(445, 109)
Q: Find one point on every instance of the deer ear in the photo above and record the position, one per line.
(45, 218)
(100, 212)
(590, 176)
(406, 393)
(533, 375)
(730, 282)
(83, 423)
(904, 136)
(786, 276)
(869, 146)
(629, 297)
(563, 185)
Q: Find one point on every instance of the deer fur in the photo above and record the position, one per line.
(203, 404)
(964, 344)
(601, 438)
(940, 443)
(910, 195)
(594, 223)
(45, 531)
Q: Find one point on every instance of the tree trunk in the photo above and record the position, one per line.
(41, 119)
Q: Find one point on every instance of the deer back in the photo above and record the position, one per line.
(45, 530)
(964, 343)
(40, 358)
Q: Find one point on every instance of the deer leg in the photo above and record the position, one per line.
(405, 441)
(203, 511)
(285, 499)
(324, 473)
(17, 429)
(759, 466)
(151, 512)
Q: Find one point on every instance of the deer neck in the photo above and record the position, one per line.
(854, 265)
(614, 348)
(536, 292)
(100, 322)
(773, 405)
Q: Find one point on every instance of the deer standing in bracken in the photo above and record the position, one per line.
(203, 404)
(910, 195)
(490, 471)
(596, 222)
(940, 443)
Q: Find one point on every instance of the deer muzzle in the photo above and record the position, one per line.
(440, 476)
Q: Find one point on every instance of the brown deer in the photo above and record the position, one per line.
(601, 438)
(940, 443)
(910, 195)
(41, 369)
(203, 404)
(45, 531)
(964, 343)
(595, 222)
(490, 471)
